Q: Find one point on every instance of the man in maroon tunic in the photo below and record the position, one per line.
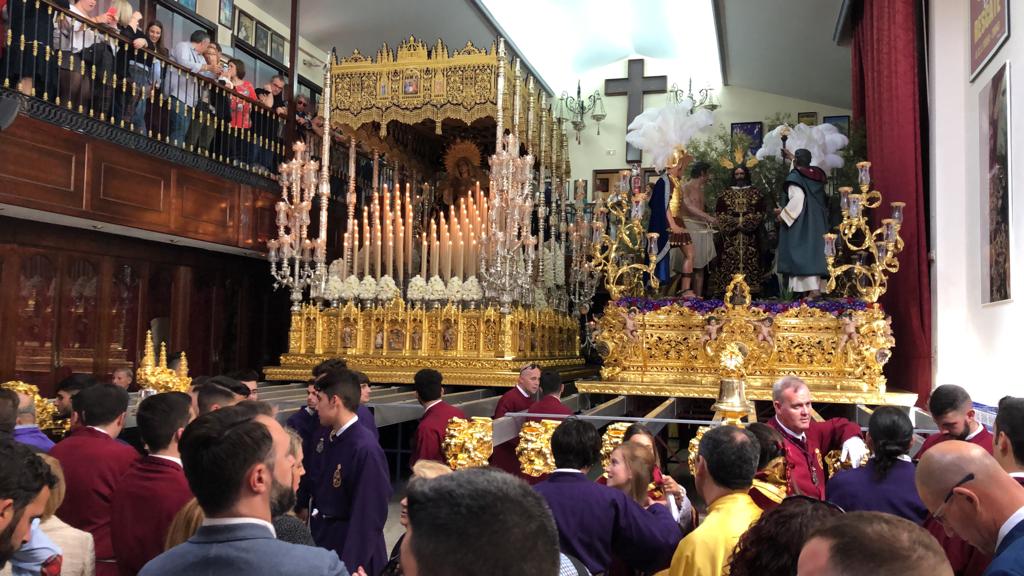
(436, 414)
(551, 389)
(953, 411)
(518, 399)
(94, 463)
(155, 488)
(807, 442)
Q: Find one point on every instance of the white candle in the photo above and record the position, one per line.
(408, 229)
(366, 237)
(423, 258)
(448, 261)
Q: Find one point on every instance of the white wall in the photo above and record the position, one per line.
(974, 344)
(738, 105)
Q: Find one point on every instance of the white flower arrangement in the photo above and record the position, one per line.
(368, 288)
(436, 289)
(333, 289)
(350, 288)
(387, 289)
(454, 289)
(471, 291)
(540, 299)
(417, 290)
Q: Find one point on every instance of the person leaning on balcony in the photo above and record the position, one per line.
(182, 89)
(132, 65)
(241, 110)
(84, 57)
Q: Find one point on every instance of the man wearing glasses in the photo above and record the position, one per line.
(973, 497)
(518, 399)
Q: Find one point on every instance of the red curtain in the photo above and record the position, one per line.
(886, 100)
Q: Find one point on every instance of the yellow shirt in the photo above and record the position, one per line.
(706, 551)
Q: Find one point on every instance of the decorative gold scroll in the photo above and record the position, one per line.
(468, 443)
(415, 83)
(46, 412)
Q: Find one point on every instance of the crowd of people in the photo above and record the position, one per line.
(221, 487)
(115, 66)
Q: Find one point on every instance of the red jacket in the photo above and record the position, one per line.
(983, 438)
(549, 404)
(431, 431)
(93, 464)
(144, 504)
(504, 455)
(805, 460)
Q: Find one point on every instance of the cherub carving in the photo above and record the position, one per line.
(848, 336)
(711, 328)
(631, 323)
(764, 330)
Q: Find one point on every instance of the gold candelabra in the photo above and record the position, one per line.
(156, 375)
(873, 251)
(618, 251)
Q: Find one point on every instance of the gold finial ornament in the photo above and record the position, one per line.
(611, 439)
(156, 375)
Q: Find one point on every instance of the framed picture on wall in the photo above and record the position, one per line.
(190, 4)
(245, 28)
(754, 131)
(989, 27)
(277, 49)
(226, 14)
(809, 118)
(604, 182)
(994, 185)
(262, 38)
(842, 123)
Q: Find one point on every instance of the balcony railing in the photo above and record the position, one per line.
(85, 65)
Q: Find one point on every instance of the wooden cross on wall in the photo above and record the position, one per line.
(634, 86)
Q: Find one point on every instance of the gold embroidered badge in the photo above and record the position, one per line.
(336, 481)
(320, 446)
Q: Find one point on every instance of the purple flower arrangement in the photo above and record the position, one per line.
(833, 306)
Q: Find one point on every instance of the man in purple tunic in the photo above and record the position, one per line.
(596, 522)
(351, 488)
(518, 399)
(306, 424)
(365, 414)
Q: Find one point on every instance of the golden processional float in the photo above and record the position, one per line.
(469, 290)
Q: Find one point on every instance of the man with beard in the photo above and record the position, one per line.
(154, 489)
(740, 211)
(239, 468)
(953, 412)
(351, 487)
(66, 390)
(801, 256)
(25, 483)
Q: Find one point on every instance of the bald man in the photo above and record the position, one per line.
(967, 491)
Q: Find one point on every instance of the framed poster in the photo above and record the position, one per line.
(989, 29)
(840, 122)
(752, 130)
(262, 38)
(277, 50)
(245, 28)
(226, 14)
(809, 118)
(994, 169)
(604, 182)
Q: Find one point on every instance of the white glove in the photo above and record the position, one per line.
(854, 451)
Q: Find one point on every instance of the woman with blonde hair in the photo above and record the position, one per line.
(185, 524)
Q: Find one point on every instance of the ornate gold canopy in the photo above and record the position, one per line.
(415, 83)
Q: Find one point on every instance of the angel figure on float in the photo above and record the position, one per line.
(711, 328)
(848, 336)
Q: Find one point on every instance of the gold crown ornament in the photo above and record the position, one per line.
(156, 375)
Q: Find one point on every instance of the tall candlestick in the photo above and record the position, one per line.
(400, 248)
(435, 250)
(366, 238)
(389, 261)
(423, 258)
(408, 229)
(448, 261)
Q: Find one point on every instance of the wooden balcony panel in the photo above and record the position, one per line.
(42, 168)
(207, 208)
(129, 189)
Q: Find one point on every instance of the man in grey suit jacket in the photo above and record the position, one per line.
(239, 468)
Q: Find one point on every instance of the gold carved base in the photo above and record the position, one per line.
(391, 342)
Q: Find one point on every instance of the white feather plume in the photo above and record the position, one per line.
(823, 141)
(658, 131)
